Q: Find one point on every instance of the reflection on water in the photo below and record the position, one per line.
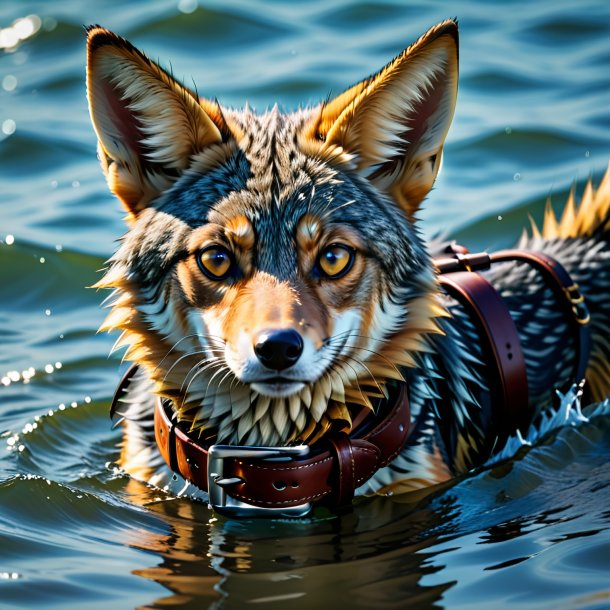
(532, 116)
(376, 552)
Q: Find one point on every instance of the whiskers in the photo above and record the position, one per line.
(362, 376)
(202, 338)
(209, 363)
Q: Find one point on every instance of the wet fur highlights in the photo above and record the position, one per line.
(273, 282)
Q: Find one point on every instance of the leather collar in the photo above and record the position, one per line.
(237, 479)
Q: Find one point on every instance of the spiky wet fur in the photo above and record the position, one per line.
(274, 183)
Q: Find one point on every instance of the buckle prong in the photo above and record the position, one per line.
(228, 482)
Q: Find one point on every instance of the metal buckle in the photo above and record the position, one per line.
(579, 307)
(224, 504)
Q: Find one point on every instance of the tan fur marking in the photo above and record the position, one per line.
(591, 214)
(264, 302)
(309, 233)
(240, 232)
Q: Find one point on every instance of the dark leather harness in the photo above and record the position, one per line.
(267, 481)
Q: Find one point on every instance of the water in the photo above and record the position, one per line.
(533, 117)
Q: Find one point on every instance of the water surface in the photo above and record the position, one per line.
(533, 118)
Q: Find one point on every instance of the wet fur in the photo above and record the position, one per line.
(274, 189)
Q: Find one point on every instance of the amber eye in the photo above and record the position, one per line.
(335, 260)
(216, 262)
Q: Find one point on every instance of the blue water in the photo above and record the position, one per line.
(533, 119)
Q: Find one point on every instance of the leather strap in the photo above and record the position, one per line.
(568, 293)
(332, 473)
(500, 340)
(481, 299)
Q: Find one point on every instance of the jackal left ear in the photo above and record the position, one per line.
(149, 126)
(395, 122)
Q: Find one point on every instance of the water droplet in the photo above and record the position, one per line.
(9, 82)
(54, 184)
(61, 336)
(8, 127)
(58, 365)
(20, 58)
(508, 130)
(59, 248)
(48, 368)
(9, 240)
(13, 375)
(187, 6)
(87, 399)
(74, 404)
(8, 38)
(42, 259)
(47, 312)
(499, 217)
(49, 24)
(587, 153)
(75, 184)
(27, 26)
(517, 177)
(5, 381)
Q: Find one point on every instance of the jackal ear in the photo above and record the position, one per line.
(395, 122)
(148, 125)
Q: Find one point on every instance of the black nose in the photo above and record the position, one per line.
(278, 349)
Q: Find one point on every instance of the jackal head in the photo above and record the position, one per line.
(272, 280)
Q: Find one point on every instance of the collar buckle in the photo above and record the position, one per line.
(224, 504)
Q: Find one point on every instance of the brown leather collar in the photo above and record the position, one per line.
(237, 479)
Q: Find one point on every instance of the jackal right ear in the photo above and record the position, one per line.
(394, 124)
(148, 125)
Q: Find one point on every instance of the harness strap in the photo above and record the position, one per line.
(568, 293)
(500, 340)
(457, 276)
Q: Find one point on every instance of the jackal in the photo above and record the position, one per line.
(273, 283)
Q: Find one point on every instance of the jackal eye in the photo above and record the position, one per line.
(335, 261)
(216, 262)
